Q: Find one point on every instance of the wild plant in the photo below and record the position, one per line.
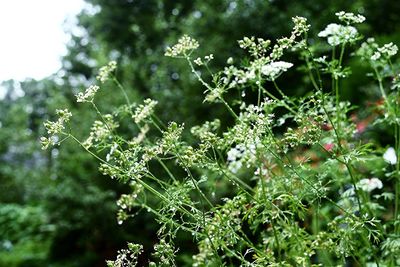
(291, 181)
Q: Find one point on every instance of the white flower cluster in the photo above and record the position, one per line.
(369, 185)
(105, 71)
(100, 131)
(54, 128)
(350, 18)
(234, 156)
(396, 82)
(390, 156)
(274, 69)
(127, 202)
(110, 154)
(185, 44)
(57, 126)
(126, 257)
(386, 51)
(377, 56)
(241, 153)
(199, 61)
(300, 25)
(143, 111)
(141, 136)
(269, 66)
(89, 94)
(338, 34)
(256, 47)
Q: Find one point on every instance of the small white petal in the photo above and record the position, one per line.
(390, 156)
(369, 185)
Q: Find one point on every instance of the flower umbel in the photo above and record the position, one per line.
(105, 71)
(274, 69)
(54, 128)
(338, 34)
(89, 94)
(145, 110)
(369, 185)
(184, 47)
(350, 18)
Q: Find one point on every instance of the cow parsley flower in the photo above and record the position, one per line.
(300, 25)
(54, 128)
(89, 94)
(339, 34)
(234, 157)
(145, 110)
(100, 131)
(396, 82)
(105, 71)
(369, 185)
(350, 18)
(390, 156)
(198, 61)
(274, 69)
(235, 153)
(185, 44)
(388, 50)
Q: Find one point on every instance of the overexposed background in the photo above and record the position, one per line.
(32, 37)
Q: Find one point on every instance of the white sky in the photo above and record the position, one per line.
(32, 38)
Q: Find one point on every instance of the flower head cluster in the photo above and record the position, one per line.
(233, 77)
(350, 18)
(274, 69)
(145, 110)
(377, 56)
(386, 51)
(100, 131)
(235, 155)
(165, 252)
(207, 131)
(300, 25)
(338, 34)
(54, 128)
(127, 201)
(89, 94)
(184, 46)
(199, 61)
(171, 138)
(396, 82)
(105, 71)
(369, 185)
(127, 257)
(256, 47)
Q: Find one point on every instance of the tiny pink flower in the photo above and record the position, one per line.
(329, 146)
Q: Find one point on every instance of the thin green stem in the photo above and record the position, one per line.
(280, 101)
(87, 150)
(347, 164)
(229, 108)
(338, 111)
(278, 246)
(119, 85)
(166, 169)
(397, 181)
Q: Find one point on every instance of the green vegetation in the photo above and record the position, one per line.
(270, 151)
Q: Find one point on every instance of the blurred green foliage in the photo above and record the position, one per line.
(56, 209)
